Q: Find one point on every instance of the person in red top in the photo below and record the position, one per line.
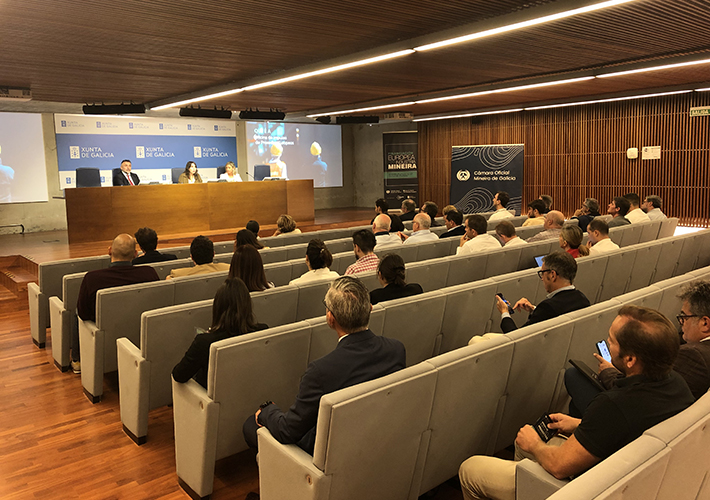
(120, 272)
(571, 241)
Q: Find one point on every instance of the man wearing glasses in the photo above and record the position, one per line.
(557, 274)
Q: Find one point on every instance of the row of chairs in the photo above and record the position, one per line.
(416, 426)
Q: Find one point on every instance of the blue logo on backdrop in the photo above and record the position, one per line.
(68, 180)
(160, 126)
(130, 124)
(189, 127)
(165, 177)
(216, 128)
(64, 123)
(103, 179)
(98, 124)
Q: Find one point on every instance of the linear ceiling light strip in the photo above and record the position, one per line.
(468, 115)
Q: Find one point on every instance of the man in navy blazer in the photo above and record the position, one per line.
(557, 274)
(454, 224)
(124, 177)
(360, 356)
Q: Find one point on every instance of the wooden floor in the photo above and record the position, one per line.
(55, 444)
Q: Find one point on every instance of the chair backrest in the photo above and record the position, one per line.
(88, 177)
(649, 231)
(221, 170)
(261, 171)
(668, 227)
(51, 274)
(175, 173)
(276, 306)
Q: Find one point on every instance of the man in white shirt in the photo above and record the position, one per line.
(420, 230)
(500, 201)
(635, 214)
(385, 239)
(599, 240)
(652, 206)
(506, 234)
(476, 238)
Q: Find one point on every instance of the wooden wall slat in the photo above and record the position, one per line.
(578, 152)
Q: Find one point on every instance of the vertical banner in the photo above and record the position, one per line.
(479, 172)
(400, 161)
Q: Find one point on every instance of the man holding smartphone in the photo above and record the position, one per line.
(643, 346)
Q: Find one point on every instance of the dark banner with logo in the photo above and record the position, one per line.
(479, 172)
(400, 152)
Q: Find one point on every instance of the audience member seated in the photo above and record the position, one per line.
(447, 209)
(246, 237)
(692, 363)
(652, 206)
(500, 202)
(231, 316)
(385, 239)
(286, 225)
(505, 230)
(248, 266)
(202, 254)
(432, 210)
(363, 245)
(476, 237)
(635, 214)
(120, 272)
(643, 346)
(318, 259)
(420, 230)
(253, 226)
(557, 274)
(382, 207)
(409, 210)
(547, 200)
(230, 173)
(453, 220)
(584, 215)
(360, 356)
(571, 241)
(147, 239)
(190, 175)
(599, 241)
(125, 177)
(554, 221)
(618, 208)
(391, 273)
(536, 213)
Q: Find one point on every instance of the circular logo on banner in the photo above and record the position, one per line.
(463, 175)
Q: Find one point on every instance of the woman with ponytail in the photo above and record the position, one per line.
(318, 259)
(571, 241)
(390, 272)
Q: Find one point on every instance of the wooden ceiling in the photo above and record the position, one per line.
(147, 51)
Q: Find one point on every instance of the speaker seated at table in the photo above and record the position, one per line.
(88, 177)
(176, 173)
(261, 171)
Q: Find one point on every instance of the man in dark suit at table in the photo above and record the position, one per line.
(557, 274)
(124, 177)
(360, 356)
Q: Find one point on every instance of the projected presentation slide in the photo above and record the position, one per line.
(295, 151)
(23, 174)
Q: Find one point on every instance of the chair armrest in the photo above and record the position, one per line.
(286, 471)
(39, 314)
(91, 346)
(196, 419)
(532, 482)
(62, 322)
(133, 389)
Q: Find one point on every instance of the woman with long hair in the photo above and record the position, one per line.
(390, 273)
(571, 241)
(232, 315)
(246, 237)
(190, 175)
(248, 267)
(318, 259)
(230, 173)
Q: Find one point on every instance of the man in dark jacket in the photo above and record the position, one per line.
(147, 239)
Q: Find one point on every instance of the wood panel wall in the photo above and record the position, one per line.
(578, 152)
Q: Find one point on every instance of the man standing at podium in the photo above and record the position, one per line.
(125, 177)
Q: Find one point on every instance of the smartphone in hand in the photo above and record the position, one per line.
(510, 308)
(603, 350)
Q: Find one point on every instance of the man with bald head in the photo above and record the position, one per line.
(120, 272)
(420, 230)
(385, 239)
(553, 227)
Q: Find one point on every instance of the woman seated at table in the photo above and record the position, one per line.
(230, 173)
(231, 316)
(571, 241)
(246, 237)
(190, 175)
(390, 272)
(318, 259)
(248, 266)
(286, 225)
